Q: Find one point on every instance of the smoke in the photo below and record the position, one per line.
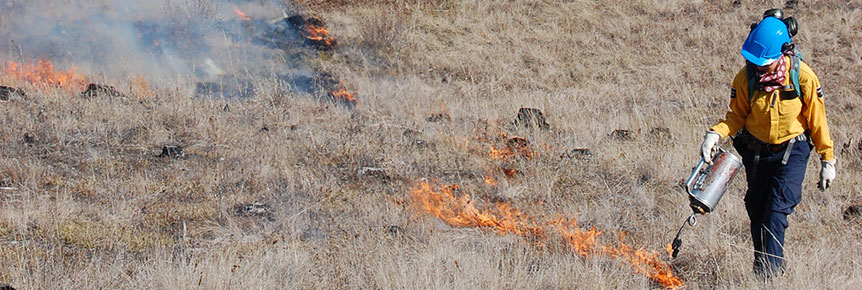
(205, 43)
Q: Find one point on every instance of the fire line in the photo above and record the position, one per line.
(502, 218)
(43, 74)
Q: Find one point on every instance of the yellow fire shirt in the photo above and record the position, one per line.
(775, 119)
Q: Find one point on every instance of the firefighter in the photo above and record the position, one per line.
(777, 116)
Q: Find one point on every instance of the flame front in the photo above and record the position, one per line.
(343, 95)
(505, 219)
(241, 14)
(460, 212)
(43, 74)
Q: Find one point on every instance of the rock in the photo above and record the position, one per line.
(255, 209)
(578, 153)
(533, 267)
(530, 117)
(96, 90)
(660, 133)
(440, 117)
(374, 172)
(518, 143)
(394, 230)
(854, 212)
(622, 135)
(791, 4)
(7, 93)
(172, 151)
(29, 139)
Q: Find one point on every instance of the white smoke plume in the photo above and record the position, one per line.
(169, 42)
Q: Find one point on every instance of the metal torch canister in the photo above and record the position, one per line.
(705, 187)
(708, 183)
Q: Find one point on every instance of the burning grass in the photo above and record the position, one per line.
(43, 74)
(86, 203)
(242, 15)
(442, 203)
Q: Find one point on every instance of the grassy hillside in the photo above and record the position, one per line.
(284, 191)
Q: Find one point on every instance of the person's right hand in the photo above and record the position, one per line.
(708, 148)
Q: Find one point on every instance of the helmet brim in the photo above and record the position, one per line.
(758, 61)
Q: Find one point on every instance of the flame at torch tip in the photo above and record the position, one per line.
(503, 218)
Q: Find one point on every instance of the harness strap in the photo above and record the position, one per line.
(787, 151)
(756, 161)
(800, 138)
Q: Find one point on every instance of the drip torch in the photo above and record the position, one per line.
(706, 186)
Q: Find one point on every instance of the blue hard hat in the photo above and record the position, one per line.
(765, 42)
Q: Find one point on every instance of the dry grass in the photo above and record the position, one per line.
(95, 208)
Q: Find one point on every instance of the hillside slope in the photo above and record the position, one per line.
(426, 181)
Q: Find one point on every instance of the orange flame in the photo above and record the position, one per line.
(505, 219)
(318, 34)
(645, 262)
(43, 74)
(509, 172)
(241, 14)
(139, 85)
(501, 154)
(342, 94)
(515, 146)
(460, 212)
(490, 180)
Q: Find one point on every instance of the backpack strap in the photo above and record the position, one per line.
(751, 75)
(795, 60)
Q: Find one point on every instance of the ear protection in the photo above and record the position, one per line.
(792, 25)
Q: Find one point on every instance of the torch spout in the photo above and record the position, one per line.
(677, 242)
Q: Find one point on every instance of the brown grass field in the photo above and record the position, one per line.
(87, 203)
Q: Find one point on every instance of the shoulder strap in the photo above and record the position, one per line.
(795, 60)
(751, 75)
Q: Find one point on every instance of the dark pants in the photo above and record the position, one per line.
(773, 191)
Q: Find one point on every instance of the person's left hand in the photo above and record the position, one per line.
(827, 174)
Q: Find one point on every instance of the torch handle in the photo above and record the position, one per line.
(690, 182)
